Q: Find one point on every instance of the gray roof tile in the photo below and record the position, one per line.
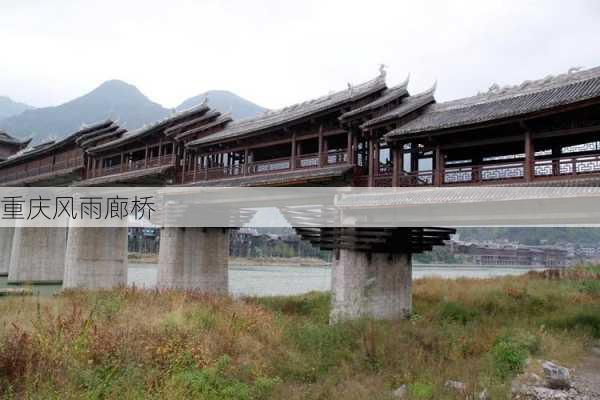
(272, 119)
(388, 95)
(499, 103)
(408, 105)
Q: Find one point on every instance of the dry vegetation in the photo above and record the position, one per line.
(131, 344)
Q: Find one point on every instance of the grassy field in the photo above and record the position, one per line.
(131, 344)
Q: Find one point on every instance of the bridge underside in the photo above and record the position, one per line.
(157, 176)
(65, 177)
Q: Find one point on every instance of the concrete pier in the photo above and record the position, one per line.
(374, 285)
(6, 240)
(96, 258)
(38, 255)
(194, 259)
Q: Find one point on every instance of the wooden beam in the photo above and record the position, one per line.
(528, 167)
(293, 159)
(439, 167)
(371, 163)
(397, 161)
(321, 145)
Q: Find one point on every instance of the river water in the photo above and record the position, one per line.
(289, 280)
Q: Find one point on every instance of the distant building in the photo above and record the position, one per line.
(487, 253)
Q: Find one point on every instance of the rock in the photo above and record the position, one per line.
(532, 379)
(456, 385)
(538, 393)
(557, 377)
(399, 393)
(543, 393)
(483, 395)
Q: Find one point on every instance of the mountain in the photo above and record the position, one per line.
(8, 108)
(113, 99)
(533, 236)
(225, 101)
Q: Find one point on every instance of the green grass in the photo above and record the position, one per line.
(132, 344)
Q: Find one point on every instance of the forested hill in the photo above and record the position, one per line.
(534, 236)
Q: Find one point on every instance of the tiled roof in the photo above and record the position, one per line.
(8, 139)
(151, 128)
(272, 119)
(220, 120)
(52, 146)
(499, 103)
(408, 105)
(388, 95)
(202, 118)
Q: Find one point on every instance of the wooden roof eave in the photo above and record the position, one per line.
(496, 122)
(288, 125)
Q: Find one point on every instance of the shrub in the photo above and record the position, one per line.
(590, 287)
(587, 321)
(314, 305)
(421, 390)
(510, 352)
(457, 313)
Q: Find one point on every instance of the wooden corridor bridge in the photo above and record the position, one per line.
(542, 132)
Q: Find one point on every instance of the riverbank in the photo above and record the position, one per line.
(136, 258)
(477, 331)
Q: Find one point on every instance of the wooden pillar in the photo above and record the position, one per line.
(325, 151)
(528, 167)
(293, 158)
(122, 161)
(439, 167)
(349, 149)
(195, 166)
(371, 163)
(556, 154)
(354, 150)
(184, 165)
(246, 159)
(414, 157)
(206, 166)
(159, 151)
(146, 157)
(321, 163)
(397, 161)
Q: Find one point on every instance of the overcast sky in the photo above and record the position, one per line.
(277, 53)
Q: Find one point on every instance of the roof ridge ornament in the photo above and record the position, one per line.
(382, 71)
(350, 89)
(495, 88)
(572, 70)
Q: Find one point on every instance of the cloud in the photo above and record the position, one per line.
(276, 53)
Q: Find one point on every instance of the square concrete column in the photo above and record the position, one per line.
(96, 258)
(373, 285)
(194, 259)
(6, 240)
(38, 255)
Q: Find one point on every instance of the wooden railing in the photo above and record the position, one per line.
(547, 168)
(272, 166)
(133, 166)
(29, 171)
